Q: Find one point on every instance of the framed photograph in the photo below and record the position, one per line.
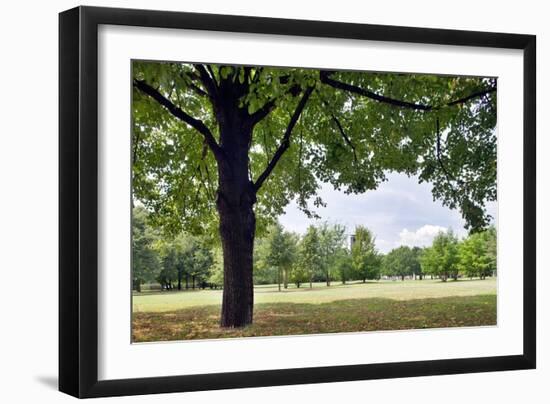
(251, 201)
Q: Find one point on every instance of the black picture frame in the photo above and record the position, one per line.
(78, 201)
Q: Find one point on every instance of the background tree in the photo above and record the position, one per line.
(216, 270)
(441, 259)
(344, 265)
(401, 262)
(417, 268)
(231, 146)
(365, 258)
(299, 275)
(202, 263)
(282, 252)
(310, 260)
(146, 264)
(491, 238)
(476, 255)
(184, 246)
(331, 240)
(264, 273)
(169, 258)
(292, 241)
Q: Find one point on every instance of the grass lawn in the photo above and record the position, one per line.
(384, 305)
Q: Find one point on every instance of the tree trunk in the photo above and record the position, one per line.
(235, 203)
(179, 280)
(237, 228)
(186, 281)
(285, 278)
(279, 278)
(193, 280)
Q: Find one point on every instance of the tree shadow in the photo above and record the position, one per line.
(338, 316)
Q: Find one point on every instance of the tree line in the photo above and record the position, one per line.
(325, 253)
(183, 261)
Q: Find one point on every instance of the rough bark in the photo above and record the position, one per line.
(237, 228)
(235, 203)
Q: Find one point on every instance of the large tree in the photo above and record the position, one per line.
(230, 146)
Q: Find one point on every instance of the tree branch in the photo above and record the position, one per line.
(181, 115)
(325, 79)
(191, 77)
(344, 135)
(450, 178)
(208, 81)
(263, 111)
(285, 142)
(340, 128)
(271, 104)
(136, 145)
(257, 72)
(198, 90)
(472, 96)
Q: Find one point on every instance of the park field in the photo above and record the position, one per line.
(354, 307)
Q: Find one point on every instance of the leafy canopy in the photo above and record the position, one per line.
(354, 129)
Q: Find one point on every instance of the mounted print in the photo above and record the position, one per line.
(246, 193)
(276, 201)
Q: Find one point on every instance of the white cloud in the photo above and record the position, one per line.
(420, 238)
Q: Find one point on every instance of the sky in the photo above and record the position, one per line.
(399, 212)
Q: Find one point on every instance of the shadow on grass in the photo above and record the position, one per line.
(349, 315)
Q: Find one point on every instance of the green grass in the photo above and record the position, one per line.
(396, 290)
(384, 305)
